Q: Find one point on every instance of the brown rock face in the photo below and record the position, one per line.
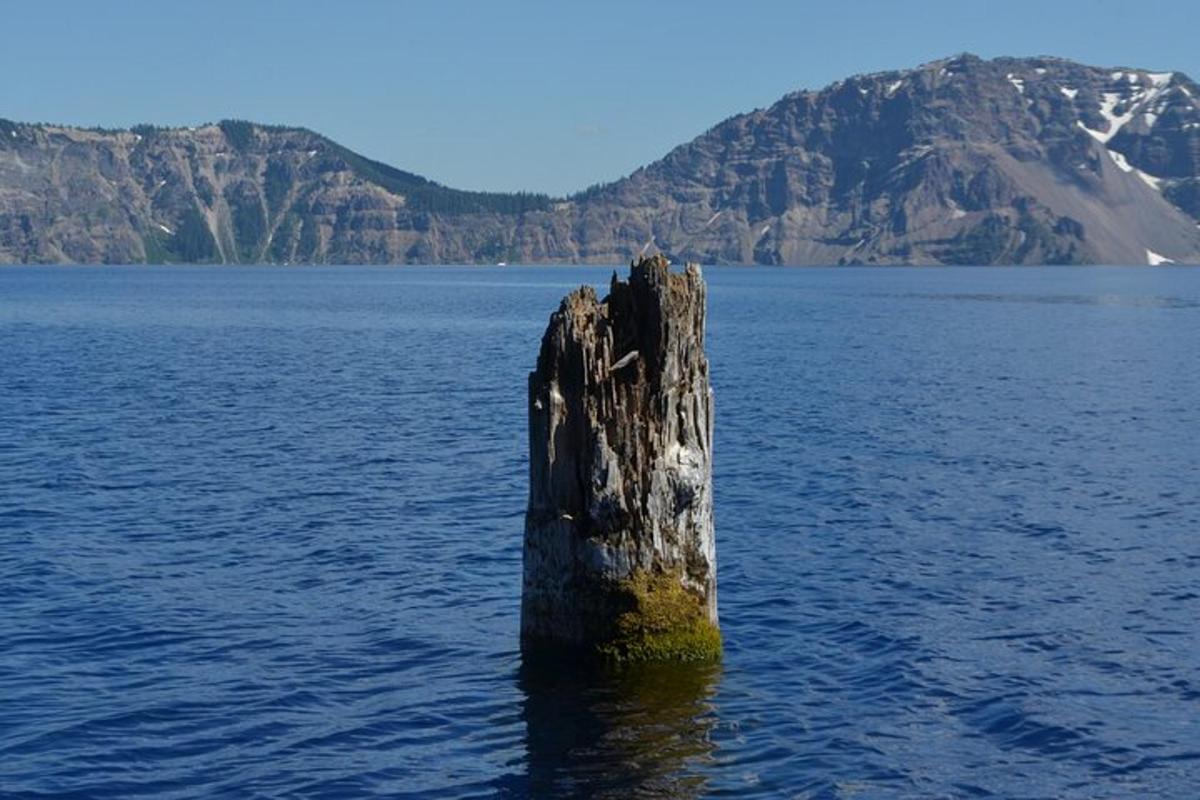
(619, 552)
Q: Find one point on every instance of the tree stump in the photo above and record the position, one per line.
(620, 555)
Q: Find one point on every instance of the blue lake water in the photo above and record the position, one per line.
(260, 536)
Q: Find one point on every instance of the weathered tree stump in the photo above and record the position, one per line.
(620, 556)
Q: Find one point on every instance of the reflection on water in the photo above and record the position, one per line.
(620, 733)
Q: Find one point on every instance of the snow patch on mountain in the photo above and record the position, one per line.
(1124, 165)
(1115, 122)
(1151, 181)
(1120, 161)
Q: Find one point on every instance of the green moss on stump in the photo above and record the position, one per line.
(665, 622)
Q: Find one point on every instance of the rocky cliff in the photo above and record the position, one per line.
(961, 161)
(231, 193)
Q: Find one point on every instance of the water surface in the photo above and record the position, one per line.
(260, 537)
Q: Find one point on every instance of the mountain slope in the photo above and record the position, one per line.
(961, 161)
(233, 192)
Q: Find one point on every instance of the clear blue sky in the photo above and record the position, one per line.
(544, 96)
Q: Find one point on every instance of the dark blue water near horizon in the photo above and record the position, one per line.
(260, 536)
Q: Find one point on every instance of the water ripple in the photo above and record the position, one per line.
(260, 537)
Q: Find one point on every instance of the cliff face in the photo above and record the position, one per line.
(959, 161)
(231, 193)
(962, 161)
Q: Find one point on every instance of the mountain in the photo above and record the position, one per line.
(960, 161)
(228, 193)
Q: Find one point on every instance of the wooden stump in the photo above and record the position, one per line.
(620, 556)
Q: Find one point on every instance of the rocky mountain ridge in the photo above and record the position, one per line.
(960, 161)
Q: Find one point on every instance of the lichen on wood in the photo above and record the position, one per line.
(620, 556)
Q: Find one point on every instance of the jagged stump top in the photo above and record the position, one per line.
(620, 458)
